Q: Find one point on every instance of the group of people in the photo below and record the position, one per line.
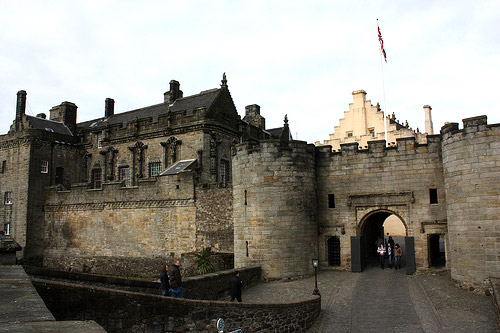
(171, 282)
(391, 251)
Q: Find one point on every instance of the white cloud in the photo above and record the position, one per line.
(291, 57)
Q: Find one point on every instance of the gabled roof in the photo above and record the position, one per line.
(203, 99)
(48, 125)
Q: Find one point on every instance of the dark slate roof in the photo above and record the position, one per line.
(48, 125)
(203, 99)
(177, 167)
(276, 132)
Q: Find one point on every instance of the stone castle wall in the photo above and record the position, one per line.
(152, 220)
(395, 180)
(14, 178)
(471, 161)
(274, 208)
(214, 211)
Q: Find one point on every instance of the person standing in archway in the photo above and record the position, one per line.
(390, 243)
(389, 254)
(398, 251)
(381, 254)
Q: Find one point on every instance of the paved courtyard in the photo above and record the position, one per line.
(386, 300)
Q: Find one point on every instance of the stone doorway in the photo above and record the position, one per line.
(437, 257)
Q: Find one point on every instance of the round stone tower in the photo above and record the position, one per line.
(274, 207)
(471, 166)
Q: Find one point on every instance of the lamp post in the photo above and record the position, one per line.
(315, 263)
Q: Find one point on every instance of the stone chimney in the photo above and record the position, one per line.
(109, 108)
(41, 115)
(65, 113)
(253, 117)
(428, 120)
(174, 92)
(359, 113)
(20, 109)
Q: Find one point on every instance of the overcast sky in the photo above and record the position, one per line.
(300, 58)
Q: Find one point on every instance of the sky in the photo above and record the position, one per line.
(299, 58)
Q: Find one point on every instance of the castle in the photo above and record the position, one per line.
(137, 188)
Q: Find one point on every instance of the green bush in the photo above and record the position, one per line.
(205, 262)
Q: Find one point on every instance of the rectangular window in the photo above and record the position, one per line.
(7, 199)
(6, 228)
(95, 178)
(372, 132)
(59, 175)
(433, 195)
(349, 134)
(154, 169)
(224, 173)
(331, 200)
(4, 166)
(99, 140)
(45, 166)
(123, 174)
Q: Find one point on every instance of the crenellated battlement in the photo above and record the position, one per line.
(378, 148)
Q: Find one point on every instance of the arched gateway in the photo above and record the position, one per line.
(374, 227)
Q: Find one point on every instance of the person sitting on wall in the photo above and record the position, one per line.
(174, 275)
(236, 285)
(165, 284)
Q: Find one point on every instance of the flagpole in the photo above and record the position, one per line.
(383, 93)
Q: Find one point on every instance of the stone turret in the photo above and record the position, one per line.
(471, 165)
(274, 208)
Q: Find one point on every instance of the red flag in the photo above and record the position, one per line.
(381, 43)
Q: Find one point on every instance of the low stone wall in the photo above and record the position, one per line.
(211, 286)
(125, 311)
(128, 266)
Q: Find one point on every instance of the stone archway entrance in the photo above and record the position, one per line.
(376, 227)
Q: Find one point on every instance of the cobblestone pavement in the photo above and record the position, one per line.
(386, 300)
